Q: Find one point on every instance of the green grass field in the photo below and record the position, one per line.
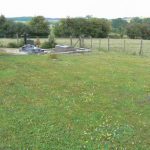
(88, 101)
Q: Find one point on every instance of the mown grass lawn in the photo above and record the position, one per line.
(92, 101)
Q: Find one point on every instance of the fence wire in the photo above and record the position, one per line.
(132, 46)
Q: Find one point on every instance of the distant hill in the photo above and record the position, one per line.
(128, 19)
(20, 19)
(52, 20)
(27, 19)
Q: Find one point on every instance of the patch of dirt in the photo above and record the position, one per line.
(14, 51)
(144, 101)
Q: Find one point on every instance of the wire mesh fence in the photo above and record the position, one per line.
(131, 46)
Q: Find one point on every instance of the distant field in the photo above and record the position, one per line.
(89, 101)
(129, 45)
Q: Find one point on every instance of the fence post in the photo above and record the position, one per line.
(99, 43)
(80, 44)
(108, 44)
(124, 46)
(71, 40)
(91, 42)
(141, 48)
(17, 39)
(83, 41)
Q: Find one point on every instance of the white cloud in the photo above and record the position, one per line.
(73, 8)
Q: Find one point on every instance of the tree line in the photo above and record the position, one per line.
(38, 26)
(89, 26)
(98, 28)
(136, 28)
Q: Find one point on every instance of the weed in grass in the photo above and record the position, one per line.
(133, 53)
(53, 56)
(4, 53)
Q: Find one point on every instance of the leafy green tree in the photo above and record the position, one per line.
(136, 20)
(145, 31)
(146, 20)
(9, 28)
(58, 30)
(39, 26)
(76, 27)
(139, 28)
(119, 26)
(3, 20)
(134, 30)
(51, 41)
(82, 27)
(22, 28)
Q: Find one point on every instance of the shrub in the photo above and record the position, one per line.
(53, 56)
(20, 43)
(47, 45)
(1, 44)
(12, 45)
(37, 42)
(15, 45)
(51, 41)
(114, 36)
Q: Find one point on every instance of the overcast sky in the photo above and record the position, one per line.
(76, 8)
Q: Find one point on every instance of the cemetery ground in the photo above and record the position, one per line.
(130, 46)
(90, 101)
